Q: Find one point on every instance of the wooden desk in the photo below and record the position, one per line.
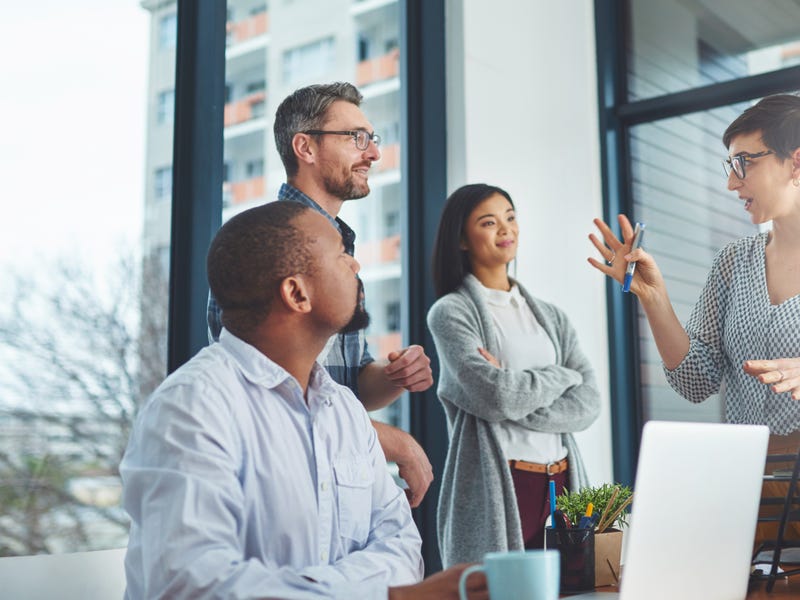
(788, 587)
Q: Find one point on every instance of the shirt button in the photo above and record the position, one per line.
(323, 556)
(324, 486)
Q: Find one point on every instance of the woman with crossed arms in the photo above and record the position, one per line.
(513, 382)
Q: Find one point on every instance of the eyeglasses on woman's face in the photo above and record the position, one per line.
(738, 163)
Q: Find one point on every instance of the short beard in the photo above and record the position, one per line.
(360, 319)
(345, 190)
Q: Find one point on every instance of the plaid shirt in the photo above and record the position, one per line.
(349, 354)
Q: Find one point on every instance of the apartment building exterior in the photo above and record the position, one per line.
(271, 50)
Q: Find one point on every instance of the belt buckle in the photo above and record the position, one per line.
(553, 464)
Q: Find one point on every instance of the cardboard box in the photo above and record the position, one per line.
(607, 554)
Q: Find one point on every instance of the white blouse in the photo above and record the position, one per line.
(523, 344)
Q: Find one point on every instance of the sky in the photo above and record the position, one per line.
(72, 125)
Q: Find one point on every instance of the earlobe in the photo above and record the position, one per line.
(303, 148)
(294, 294)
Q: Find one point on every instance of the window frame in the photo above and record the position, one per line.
(197, 196)
(616, 117)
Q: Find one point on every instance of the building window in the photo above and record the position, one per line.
(256, 86)
(162, 189)
(254, 168)
(165, 109)
(393, 318)
(311, 61)
(168, 32)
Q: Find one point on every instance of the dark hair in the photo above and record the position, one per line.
(306, 109)
(776, 117)
(450, 264)
(249, 257)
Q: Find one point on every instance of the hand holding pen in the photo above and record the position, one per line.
(619, 256)
(638, 234)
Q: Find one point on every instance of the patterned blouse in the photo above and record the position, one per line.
(734, 321)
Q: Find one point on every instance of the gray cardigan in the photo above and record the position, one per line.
(477, 510)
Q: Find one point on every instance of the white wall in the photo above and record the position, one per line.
(522, 114)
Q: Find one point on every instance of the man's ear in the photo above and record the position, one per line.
(304, 148)
(294, 294)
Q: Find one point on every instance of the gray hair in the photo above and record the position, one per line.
(306, 109)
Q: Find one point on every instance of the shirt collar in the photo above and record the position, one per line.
(259, 369)
(501, 297)
(288, 192)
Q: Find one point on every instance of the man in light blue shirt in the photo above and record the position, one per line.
(249, 472)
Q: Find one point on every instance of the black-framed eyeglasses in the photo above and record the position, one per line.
(737, 163)
(361, 137)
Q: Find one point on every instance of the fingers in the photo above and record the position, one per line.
(418, 476)
(415, 469)
(756, 367)
(489, 357)
(782, 375)
(785, 380)
(410, 369)
(625, 228)
(609, 238)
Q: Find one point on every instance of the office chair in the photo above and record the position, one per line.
(781, 551)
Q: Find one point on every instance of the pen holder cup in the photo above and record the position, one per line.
(577, 557)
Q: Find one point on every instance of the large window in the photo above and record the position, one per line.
(82, 323)
(673, 75)
(677, 45)
(87, 249)
(254, 170)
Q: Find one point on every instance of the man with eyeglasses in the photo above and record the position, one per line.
(327, 146)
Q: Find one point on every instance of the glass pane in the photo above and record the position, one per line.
(276, 48)
(679, 190)
(675, 45)
(82, 253)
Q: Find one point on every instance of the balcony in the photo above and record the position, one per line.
(379, 68)
(381, 345)
(390, 159)
(242, 192)
(249, 107)
(248, 28)
(382, 251)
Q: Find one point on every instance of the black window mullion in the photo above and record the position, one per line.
(196, 170)
(424, 160)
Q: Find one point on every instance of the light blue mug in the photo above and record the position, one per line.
(518, 575)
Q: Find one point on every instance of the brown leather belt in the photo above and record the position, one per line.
(550, 469)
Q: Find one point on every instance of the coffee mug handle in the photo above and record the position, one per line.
(462, 582)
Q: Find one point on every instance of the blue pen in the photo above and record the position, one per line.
(638, 234)
(552, 503)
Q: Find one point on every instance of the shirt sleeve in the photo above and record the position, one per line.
(181, 489)
(699, 374)
(366, 357)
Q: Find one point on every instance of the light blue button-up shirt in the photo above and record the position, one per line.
(238, 487)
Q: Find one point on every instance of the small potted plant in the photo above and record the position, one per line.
(609, 503)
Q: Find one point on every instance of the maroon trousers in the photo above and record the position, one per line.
(533, 498)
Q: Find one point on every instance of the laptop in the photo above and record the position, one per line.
(694, 512)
